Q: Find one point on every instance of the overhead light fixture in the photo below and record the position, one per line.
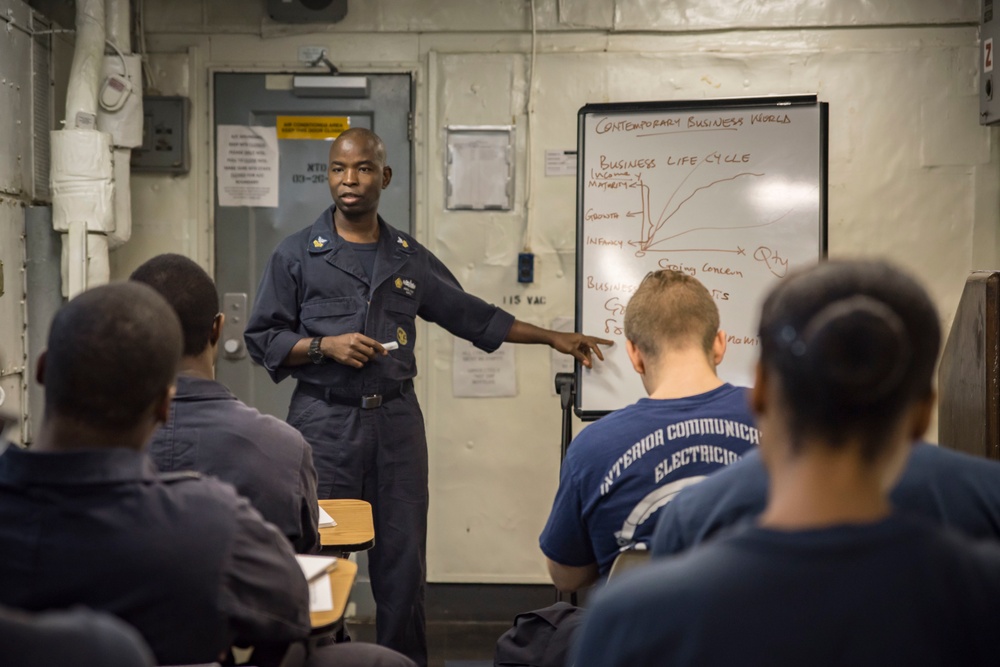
(330, 86)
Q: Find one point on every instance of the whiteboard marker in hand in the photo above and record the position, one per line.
(390, 346)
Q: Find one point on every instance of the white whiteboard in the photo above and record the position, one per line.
(732, 192)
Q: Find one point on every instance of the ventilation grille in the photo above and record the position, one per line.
(41, 110)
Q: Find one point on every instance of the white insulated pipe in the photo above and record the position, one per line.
(119, 21)
(85, 72)
(118, 16)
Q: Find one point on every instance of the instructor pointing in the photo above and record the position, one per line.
(331, 295)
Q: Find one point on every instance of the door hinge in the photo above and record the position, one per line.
(409, 127)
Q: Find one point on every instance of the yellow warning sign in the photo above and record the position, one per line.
(312, 127)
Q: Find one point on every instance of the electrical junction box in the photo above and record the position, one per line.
(164, 136)
(307, 11)
(989, 40)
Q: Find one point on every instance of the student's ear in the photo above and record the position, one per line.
(217, 324)
(718, 348)
(758, 392)
(162, 408)
(635, 356)
(920, 415)
(40, 368)
(386, 176)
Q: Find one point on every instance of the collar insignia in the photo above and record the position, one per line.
(319, 242)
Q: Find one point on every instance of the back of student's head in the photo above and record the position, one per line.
(112, 353)
(853, 344)
(671, 310)
(189, 290)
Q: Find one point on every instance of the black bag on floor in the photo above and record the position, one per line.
(539, 638)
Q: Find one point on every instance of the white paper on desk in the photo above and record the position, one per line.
(314, 566)
(320, 594)
(325, 520)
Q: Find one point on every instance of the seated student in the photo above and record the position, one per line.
(211, 431)
(620, 470)
(86, 519)
(830, 574)
(79, 637)
(948, 487)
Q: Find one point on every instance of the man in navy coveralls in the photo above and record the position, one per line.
(329, 297)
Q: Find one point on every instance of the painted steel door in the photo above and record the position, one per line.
(245, 236)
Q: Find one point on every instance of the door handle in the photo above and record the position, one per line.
(234, 306)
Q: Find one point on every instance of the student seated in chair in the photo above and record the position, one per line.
(620, 470)
(213, 432)
(829, 574)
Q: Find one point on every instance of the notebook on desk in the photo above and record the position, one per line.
(316, 570)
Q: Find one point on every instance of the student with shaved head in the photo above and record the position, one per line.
(331, 298)
(213, 432)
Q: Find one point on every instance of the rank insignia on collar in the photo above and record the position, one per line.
(401, 241)
(399, 283)
(319, 242)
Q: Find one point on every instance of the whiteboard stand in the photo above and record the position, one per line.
(566, 388)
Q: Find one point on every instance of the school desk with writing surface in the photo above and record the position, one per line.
(341, 582)
(355, 530)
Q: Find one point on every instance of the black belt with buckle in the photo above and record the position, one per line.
(366, 402)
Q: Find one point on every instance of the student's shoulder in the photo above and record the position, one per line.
(928, 459)
(947, 548)
(612, 425)
(266, 428)
(190, 488)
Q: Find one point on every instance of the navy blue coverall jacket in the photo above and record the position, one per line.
(180, 557)
(314, 285)
(213, 432)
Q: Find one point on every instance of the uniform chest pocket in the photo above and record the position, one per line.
(400, 316)
(332, 317)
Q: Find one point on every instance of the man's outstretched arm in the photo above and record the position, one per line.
(578, 345)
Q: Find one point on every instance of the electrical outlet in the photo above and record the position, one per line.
(525, 267)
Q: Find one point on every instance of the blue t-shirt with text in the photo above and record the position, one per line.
(623, 468)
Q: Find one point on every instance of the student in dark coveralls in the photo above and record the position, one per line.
(211, 431)
(831, 573)
(85, 518)
(79, 637)
(330, 296)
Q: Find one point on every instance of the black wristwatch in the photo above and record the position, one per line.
(315, 354)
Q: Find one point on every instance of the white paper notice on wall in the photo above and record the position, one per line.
(247, 166)
(478, 374)
(560, 163)
(559, 362)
